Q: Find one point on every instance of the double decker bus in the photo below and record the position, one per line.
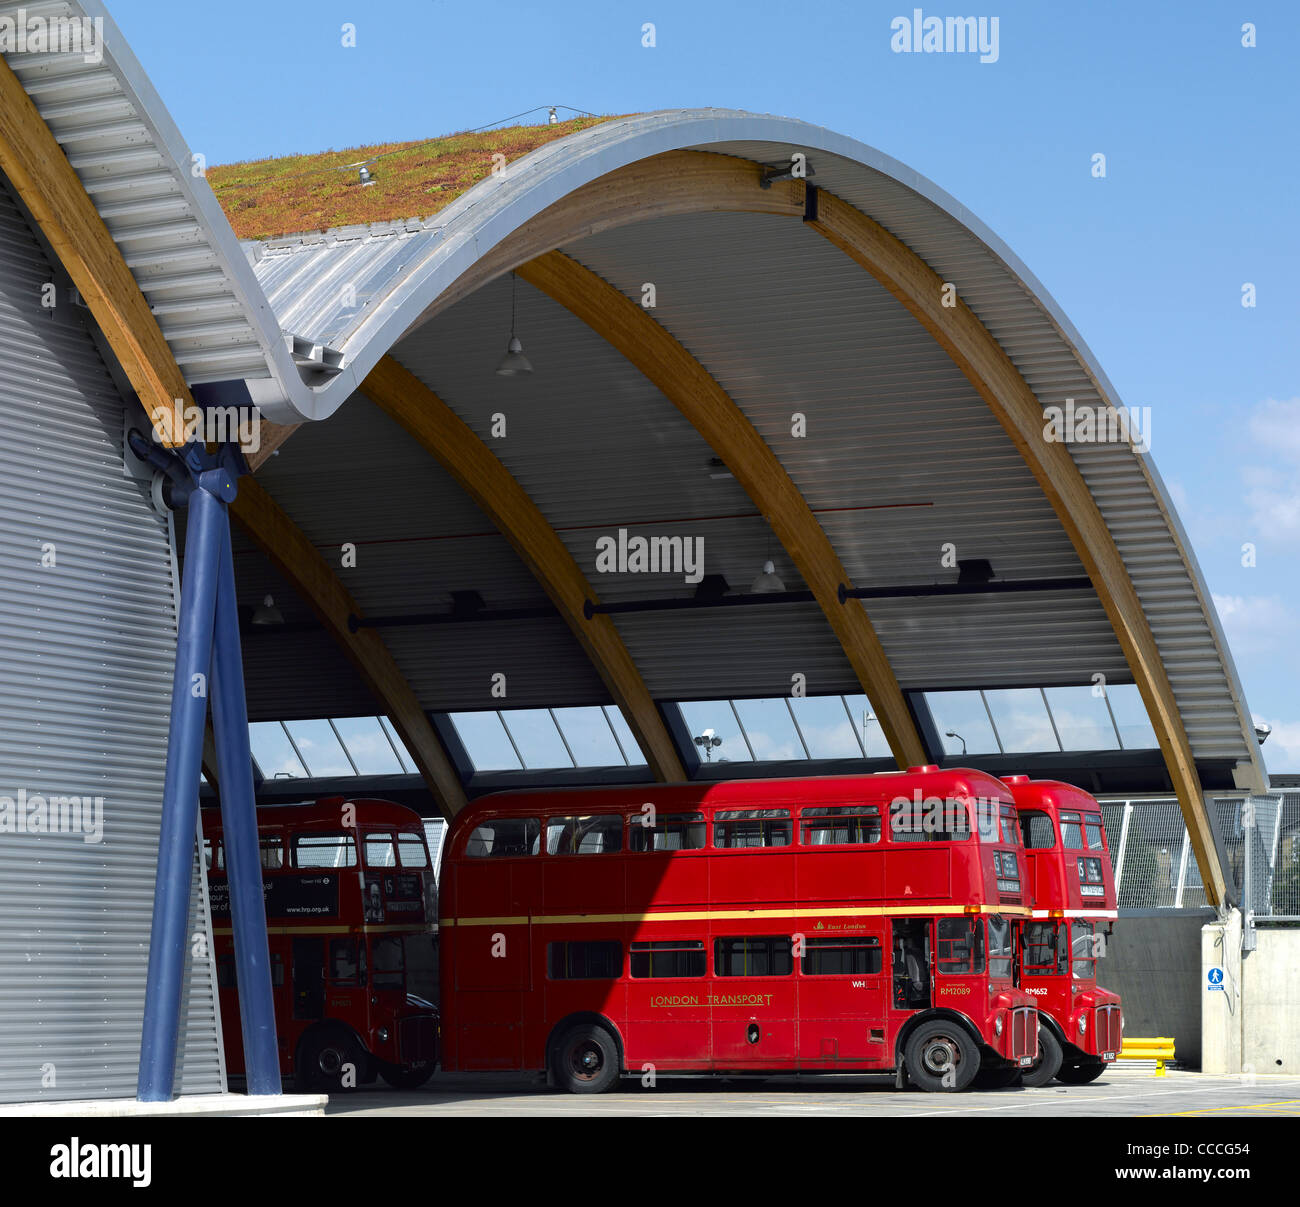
(856, 923)
(1074, 907)
(351, 918)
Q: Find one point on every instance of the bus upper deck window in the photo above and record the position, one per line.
(1038, 831)
(752, 828)
(272, 852)
(504, 836)
(1093, 831)
(323, 851)
(593, 835)
(665, 832)
(839, 825)
(412, 851)
(1010, 831)
(380, 852)
(1071, 832)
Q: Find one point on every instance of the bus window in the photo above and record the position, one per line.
(668, 958)
(986, 819)
(1037, 830)
(670, 832)
(999, 946)
(1083, 951)
(226, 978)
(412, 851)
(770, 955)
(207, 853)
(594, 960)
(752, 828)
(323, 851)
(390, 965)
(840, 955)
(504, 836)
(345, 966)
(272, 852)
(840, 825)
(1071, 832)
(380, 852)
(598, 835)
(1044, 951)
(1093, 831)
(1010, 831)
(961, 946)
(934, 820)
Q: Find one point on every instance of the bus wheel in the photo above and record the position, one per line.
(940, 1056)
(325, 1058)
(996, 1077)
(585, 1060)
(406, 1077)
(1048, 1063)
(1081, 1074)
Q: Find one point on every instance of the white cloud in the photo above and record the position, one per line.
(1282, 749)
(1273, 493)
(1274, 426)
(1256, 623)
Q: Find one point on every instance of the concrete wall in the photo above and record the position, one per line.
(1154, 964)
(1270, 1017)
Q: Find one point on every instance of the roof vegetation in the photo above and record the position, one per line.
(267, 198)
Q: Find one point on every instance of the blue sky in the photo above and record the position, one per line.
(1199, 198)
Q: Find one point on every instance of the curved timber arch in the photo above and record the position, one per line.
(451, 442)
(642, 341)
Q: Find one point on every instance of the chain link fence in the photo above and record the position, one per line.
(1155, 866)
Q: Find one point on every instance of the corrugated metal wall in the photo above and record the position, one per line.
(87, 644)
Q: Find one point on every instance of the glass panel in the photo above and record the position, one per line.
(273, 751)
(668, 958)
(1131, 716)
(1083, 951)
(598, 960)
(629, 743)
(772, 956)
(598, 835)
(1082, 719)
(770, 730)
(539, 742)
(860, 711)
(1038, 831)
(368, 746)
(964, 714)
(412, 851)
(752, 828)
(588, 735)
(390, 967)
(835, 825)
(344, 966)
(714, 719)
(379, 851)
(408, 763)
(826, 727)
(485, 741)
(1071, 832)
(842, 955)
(961, 945)
(1044, 949)
(324, 851)
(319, 747)
(999, 946)
(670, 832)
(504, 836)
(272, 852)
(1022, 720)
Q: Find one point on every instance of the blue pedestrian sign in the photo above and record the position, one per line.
(1214, 978)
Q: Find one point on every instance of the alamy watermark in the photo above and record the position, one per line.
(623, 554)
(30, 33)
(1088, 424)
(34, 813)
(919, 34)
(211, 425)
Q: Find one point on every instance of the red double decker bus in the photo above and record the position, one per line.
(350, 908)
(858, 923)
(1074, 906)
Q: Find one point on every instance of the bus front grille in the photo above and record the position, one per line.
(1024, 1032)
(1106, 1029)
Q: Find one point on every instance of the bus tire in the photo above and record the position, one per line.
(1048, 1064)
(323, 1057)
(585, 1060)
(941, 1057)
(1082, 1072)
(406, 1077)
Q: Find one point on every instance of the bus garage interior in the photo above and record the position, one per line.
(734, 356)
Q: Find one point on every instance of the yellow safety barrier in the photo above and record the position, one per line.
(1159, 1050)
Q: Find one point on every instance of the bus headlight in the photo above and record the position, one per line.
(1083, 1023)
(383, 1035)
(997, 1025)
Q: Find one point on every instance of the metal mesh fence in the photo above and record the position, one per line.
(1155, 867)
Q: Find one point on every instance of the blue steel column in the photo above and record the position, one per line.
(239, 836)
(208, 527)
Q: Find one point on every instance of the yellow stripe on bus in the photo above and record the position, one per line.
(709, 915)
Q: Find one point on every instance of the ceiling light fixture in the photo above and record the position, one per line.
(768, 582)
(267, 613)
(514, 363)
